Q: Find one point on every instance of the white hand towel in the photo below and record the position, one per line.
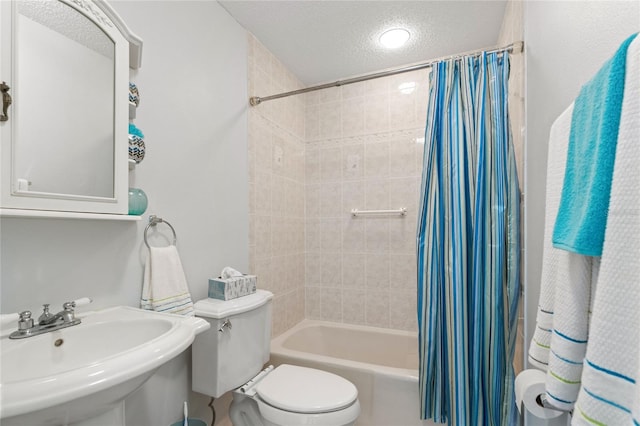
(609, 393)
(165, 287)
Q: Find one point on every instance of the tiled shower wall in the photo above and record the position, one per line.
(364, 146)
(315, 157)
(276, 187)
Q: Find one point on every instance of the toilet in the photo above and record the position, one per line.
(231, 355)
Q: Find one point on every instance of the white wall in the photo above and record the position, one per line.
(566, 44)
(193, 112)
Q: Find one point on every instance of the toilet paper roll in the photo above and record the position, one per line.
(529, 385)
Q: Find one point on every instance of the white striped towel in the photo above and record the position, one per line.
(165, 287)
(564, 291)
(609, 393)
(557, 265)
(557, 158)
(577, 277)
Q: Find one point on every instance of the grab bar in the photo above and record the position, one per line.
(402, 212)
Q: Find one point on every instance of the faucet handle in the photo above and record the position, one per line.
(25, 322)
(68, 313)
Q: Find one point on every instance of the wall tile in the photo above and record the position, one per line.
(312, 235)
(290, 300)
(353, 117)
(331, 199)
(312, 165)
(262, 233)
(353, 235)
(278, 275)
(278, 199)
(252, 198)
(353, 196)
(263, 272)
(402, 233)
(332, 94)
(353, 306)
(402, 157)
(376, 159)
(331, 304)
(376, 112)
(377, 309)
(290, 273)
(312, 122)
(312, 200)
(278, 235)
(402, 110)
(353, 90)
(313, 270)
(378, 86)
(313, 303)
(402, 272)
(353, 270)
(263, 193)
(263, 147)
(403, 192)
(377, 272)
(403, 311)
(278, 151)
(331, 234)
(331, 269)
(312, 98)
(331, 164)
(278, 316)
(353, 161)
(376, 194)
(330, 120)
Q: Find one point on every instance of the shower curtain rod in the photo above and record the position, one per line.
(515, 47)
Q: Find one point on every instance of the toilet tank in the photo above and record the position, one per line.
(224, 360)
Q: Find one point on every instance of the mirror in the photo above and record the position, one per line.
(64, 147)
(74, 155)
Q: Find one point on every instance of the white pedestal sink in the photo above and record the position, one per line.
(81, 375)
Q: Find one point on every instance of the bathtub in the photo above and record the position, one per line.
(381, 363)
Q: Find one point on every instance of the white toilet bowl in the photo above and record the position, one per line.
(295, 396)
(237, 346)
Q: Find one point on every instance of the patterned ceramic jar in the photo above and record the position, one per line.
(136, 148)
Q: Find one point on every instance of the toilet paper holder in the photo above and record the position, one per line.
(541, 400)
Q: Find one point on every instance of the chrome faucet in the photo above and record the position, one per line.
(67, 314)
(46, 322)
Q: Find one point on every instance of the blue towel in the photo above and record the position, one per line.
(584, 204)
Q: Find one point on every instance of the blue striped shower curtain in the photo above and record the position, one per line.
(468, 246)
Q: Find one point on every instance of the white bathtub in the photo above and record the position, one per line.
(382, 363)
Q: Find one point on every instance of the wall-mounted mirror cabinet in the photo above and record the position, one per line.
(63, 142)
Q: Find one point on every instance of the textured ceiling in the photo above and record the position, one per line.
(324, 41)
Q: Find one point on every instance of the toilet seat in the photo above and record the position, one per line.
(275, 416)
(306, 390)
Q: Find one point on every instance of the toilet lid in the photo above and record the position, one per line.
(306, 390)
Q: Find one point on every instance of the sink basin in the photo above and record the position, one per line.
(79, 372)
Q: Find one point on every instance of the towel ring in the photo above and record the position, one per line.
(153, 221)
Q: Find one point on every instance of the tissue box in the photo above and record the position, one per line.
(231, 288)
